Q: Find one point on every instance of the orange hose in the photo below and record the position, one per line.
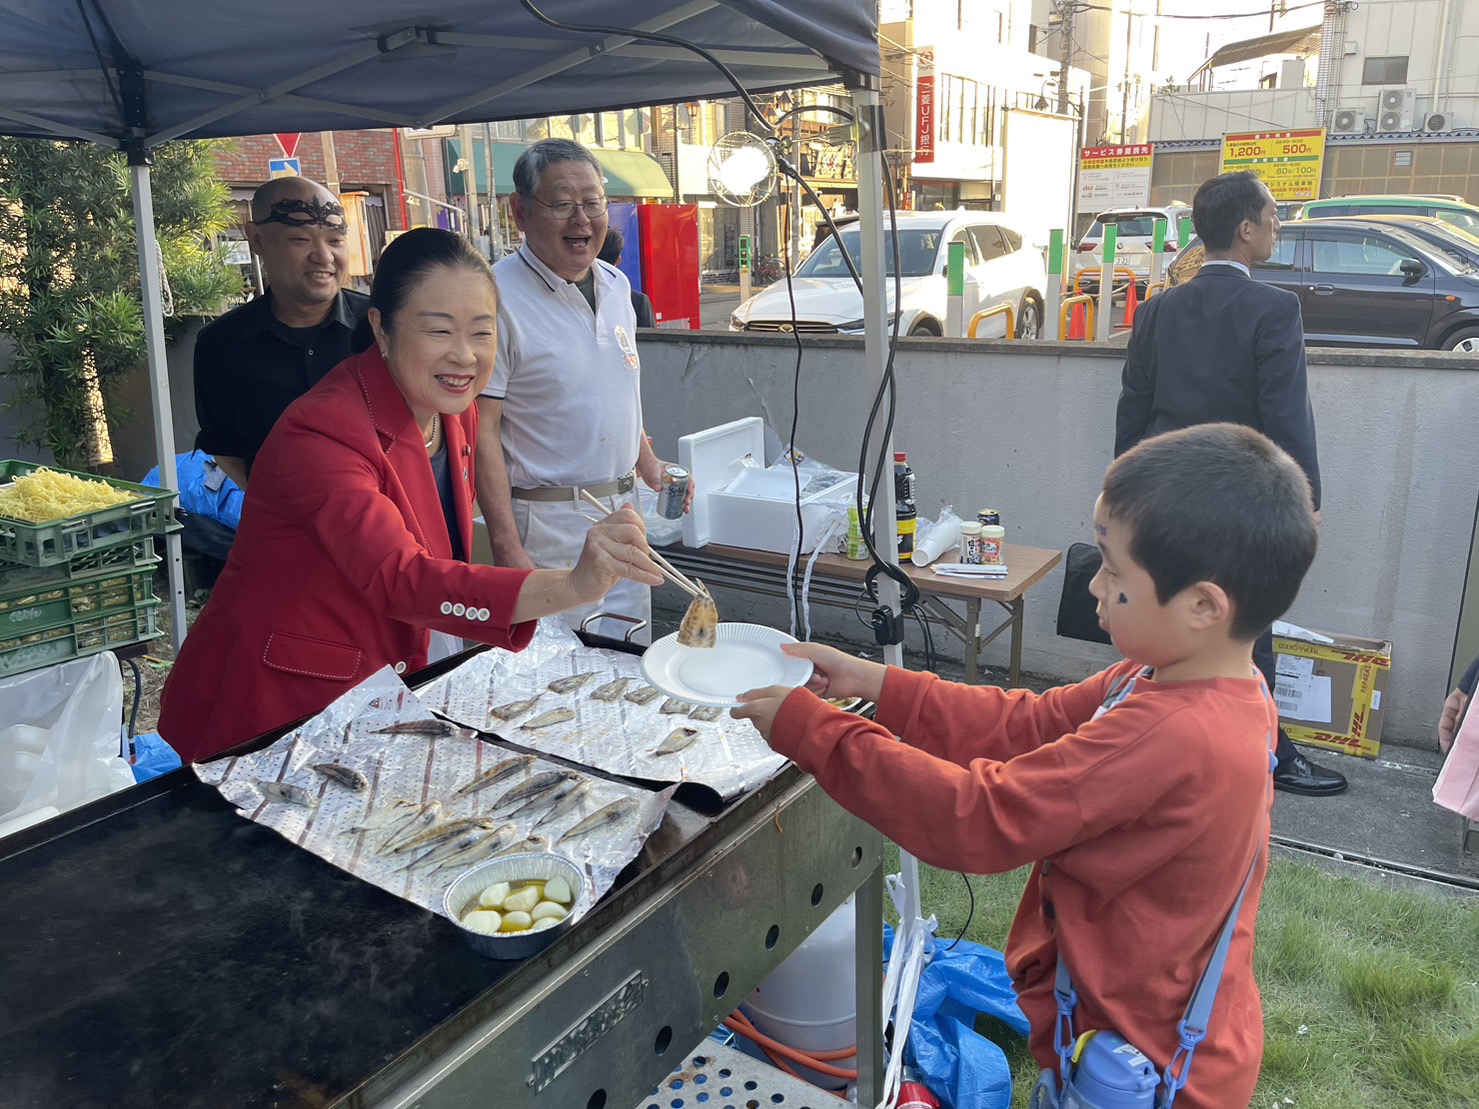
(824, 1056)
(738, 1022)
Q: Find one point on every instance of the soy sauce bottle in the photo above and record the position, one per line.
(905, 514)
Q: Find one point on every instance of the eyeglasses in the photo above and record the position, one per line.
(565, 209)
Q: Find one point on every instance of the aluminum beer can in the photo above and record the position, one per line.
(674, 492)
(988, 517)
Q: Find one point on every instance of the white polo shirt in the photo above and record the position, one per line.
(570, 381)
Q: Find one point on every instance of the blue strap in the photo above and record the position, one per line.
(1063, 1037)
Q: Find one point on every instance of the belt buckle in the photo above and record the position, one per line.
(627, 482)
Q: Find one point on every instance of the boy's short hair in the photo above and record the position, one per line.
(1223, 203)
(1218, 503)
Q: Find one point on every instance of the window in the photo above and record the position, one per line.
(1468, 221)
(971, 254)
(1366, 255)
(1283, 256)
(989, 242)
(1014, 240)
(1384, 71)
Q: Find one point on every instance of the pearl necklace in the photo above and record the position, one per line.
(436, 420)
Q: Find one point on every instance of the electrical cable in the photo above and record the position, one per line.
(970, 913)
(794, 586)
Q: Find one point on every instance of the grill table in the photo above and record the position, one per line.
(162, 951)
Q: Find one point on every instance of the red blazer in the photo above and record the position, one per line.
(341, 564)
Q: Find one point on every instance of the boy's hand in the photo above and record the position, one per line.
(836, 674)
(759, 706)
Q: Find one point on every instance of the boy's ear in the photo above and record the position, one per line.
(1208, 605)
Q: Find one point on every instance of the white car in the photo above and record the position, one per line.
(1001, 265)
(1135, 234)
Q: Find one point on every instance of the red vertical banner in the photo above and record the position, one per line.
(924, 115)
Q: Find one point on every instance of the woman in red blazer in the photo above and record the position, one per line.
(352, 536)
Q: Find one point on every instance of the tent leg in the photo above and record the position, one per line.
(872, 203)
(164, 423)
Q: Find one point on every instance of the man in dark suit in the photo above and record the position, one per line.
(1224, 347)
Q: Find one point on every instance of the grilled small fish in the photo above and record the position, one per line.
(514, 708)
(346, 776)
(440, 833)
(427, 815)
(700, 625)
(285, 792)
(490, 848)
(552, 796)
(613, 813)
(678, 739)
(488, 838)
(644, 695)
(706, 713)
(505, 770)
(570, 684)
(674, 707)
(536, 786)
(567, 804)
(437, 729)
(534, 844)
(611, 691)
(545, 719)
(399, 812)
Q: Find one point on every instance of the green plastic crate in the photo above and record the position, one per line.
(59, 541)
(16, 578)
(39, 647)
(70, 602)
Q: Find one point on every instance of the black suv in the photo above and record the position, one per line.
(1368, 283)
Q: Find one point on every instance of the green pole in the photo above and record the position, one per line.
(1186, 231)
(1055, 252)
(1106, 282)
(1111, 244)
(1158, 237)
(955, 270)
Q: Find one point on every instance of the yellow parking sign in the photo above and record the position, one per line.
(1288, 162)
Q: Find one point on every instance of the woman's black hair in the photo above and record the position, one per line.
(410, 257)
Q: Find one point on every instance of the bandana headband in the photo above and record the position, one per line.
(315, 211)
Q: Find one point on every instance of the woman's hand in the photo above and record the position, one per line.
(615, 548)
(1453, 715)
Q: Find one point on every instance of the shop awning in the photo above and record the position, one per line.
(1305, 42)
(630, 174)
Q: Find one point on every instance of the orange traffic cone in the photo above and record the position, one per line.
(1076, 323)
(1131, 303)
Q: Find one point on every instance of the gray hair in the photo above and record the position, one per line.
(529, 170)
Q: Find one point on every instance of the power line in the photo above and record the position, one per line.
(1170, 15)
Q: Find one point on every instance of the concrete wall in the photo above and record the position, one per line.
(1028, 428)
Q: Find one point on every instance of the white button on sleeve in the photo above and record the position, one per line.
(400, 668)
(458, 609)
(446, 608)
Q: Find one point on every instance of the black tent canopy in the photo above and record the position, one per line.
(132, 74)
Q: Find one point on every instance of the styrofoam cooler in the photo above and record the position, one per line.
(759, 510)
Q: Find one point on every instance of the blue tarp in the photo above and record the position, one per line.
(205, 490)
(962, 1068)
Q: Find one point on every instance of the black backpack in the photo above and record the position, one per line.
(1077, 617)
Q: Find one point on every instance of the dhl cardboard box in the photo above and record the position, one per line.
(1330, 693)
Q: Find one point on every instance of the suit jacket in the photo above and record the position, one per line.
(1221, 348)
(342, 562)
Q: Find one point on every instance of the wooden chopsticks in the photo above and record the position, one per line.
(671, 572)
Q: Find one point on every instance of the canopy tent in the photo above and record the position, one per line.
(627, 173)
(133, 76)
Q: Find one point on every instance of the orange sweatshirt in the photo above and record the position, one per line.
(1149, 816)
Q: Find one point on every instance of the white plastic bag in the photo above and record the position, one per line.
(59, 739)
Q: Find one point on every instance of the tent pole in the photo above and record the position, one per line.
(164, 422)
(873, 206)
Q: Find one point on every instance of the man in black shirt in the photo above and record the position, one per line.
(257, 359)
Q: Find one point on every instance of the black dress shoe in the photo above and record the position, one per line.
(1299, 775)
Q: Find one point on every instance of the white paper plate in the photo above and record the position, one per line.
(747, 656)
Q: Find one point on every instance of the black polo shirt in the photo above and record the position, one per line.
(249, 366)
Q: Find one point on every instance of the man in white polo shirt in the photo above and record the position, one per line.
(563, 410)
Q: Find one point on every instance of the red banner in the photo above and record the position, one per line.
(924, 118)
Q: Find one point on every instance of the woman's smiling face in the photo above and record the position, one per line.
(441, 345)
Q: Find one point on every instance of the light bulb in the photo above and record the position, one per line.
(743, 169)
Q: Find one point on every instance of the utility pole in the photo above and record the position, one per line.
(1125, 88)
(1066, 12)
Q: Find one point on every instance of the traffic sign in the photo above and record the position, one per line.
(288, 142)
(284, 167)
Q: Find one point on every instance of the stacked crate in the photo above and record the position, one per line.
(81, 584)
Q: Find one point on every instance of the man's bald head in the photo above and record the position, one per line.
(298, 230)
(294, 200)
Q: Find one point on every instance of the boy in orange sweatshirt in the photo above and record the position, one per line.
(1141, 794)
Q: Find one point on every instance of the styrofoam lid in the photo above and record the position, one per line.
(707, 455)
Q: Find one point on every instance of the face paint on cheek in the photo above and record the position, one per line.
(1122, 600)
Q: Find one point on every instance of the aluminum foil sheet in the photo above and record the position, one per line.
(410, 760)
(618, 736)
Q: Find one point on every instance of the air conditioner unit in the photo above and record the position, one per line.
(1437, 122)
(1349, 121)
(1395, 112)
